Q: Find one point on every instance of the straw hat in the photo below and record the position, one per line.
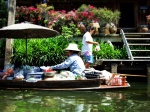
(72, 47)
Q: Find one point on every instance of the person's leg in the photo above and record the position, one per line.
(88, 60)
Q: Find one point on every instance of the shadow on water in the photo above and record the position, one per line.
(133, 99)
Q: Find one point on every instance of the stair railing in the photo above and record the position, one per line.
(130, 56)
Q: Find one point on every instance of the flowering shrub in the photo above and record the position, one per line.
(46, 15)
(71, 16)
(87, 13)
(55, 18)
(30, 14)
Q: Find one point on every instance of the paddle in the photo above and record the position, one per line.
(133, 75)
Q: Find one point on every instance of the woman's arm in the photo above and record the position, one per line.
(92, 42)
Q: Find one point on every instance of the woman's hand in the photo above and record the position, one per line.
(6, 73)
(96, 43)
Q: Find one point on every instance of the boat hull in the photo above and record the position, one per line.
(51, 84)
(89, 84)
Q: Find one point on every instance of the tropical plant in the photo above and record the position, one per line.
(44, 51)
(40, 51)
(116, 17)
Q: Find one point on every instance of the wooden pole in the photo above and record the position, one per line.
(148, 73)
(133, 75)
(9, 42)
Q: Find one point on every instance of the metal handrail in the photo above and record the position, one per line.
(130, 56)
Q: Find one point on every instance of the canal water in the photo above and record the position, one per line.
(134, 99)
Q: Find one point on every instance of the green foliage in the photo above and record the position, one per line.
(108, 16)
(39, 51)
(50, 51)
(44, 51)
(140, 48)
(2, 47)
(108, 52)
(3, 13)
(19, 51)
(70, 31)
(82, 8)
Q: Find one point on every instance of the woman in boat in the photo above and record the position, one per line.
(74, 62)
(87, 46)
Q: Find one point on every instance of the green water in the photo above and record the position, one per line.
(134, 99)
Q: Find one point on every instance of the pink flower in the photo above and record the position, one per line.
(31, 8)
(91, 7)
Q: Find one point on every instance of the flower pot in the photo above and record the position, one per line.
(81, 27)
(142, 29)
(96, 25)
(101, 30)
(113, 30)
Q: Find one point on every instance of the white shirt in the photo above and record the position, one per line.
(86, 47)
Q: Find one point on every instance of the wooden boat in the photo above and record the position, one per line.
(88, 84)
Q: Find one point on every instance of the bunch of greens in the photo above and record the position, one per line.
(109, 52)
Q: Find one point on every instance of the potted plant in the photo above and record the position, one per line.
(86, 15)
(108, 18)
(148, 21)
(142, 28)
(30, 14)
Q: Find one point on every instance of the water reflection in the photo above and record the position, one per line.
(130, 100)
(148, 89)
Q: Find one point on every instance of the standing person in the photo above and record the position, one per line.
(87, 46)
(74, 62)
